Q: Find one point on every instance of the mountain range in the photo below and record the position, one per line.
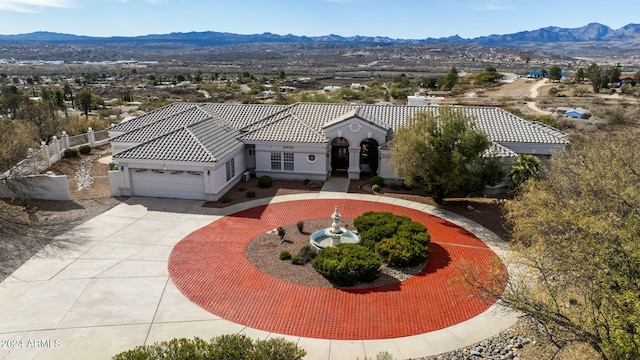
(593, 32)
(593, 40)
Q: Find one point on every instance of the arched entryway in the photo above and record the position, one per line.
(339, 155)
(369, 157)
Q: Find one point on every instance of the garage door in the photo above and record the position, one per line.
(168, 184)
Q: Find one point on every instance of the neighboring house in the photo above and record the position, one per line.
(577, 113)
(199, 151)
(624, 79)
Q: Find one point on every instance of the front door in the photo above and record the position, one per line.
(339, 158)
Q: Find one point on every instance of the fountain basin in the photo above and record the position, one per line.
(323, 238)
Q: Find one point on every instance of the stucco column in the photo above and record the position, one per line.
(354, 163)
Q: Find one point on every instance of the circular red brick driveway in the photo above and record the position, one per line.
(210, 268)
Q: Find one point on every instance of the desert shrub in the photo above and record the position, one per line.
(84, 149)
(223, 347)
(70, 153)
(306, 254)
(284, 255)
(300, 225)
(296, 260)
(376, 180)
(251, 194)
(264, 181)
(375, 188)
(401, 251)
(281, 232)
(347, 264)
(307, 181)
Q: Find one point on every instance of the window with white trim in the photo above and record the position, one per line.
(282, 161)
(288, 161)
(276, 161)
(231, 169)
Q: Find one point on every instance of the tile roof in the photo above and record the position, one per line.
(164, 125)
(216, 126)
(205, 141)
(498, 124)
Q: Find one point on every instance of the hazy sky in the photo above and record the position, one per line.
(408, 19)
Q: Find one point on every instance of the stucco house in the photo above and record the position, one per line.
(200, 150)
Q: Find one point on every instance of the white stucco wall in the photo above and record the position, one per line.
(304, 168)
(42, 187)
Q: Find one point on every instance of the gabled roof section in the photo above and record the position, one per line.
(286, 128)
(204, 142)
(361, 114)
(241, 115)
(165, 125)
(151, 117)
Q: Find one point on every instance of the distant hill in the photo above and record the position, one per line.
(593, 32)
(593, 40)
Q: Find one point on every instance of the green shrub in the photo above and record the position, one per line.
(399, 240)
(375, 188)
(84, 149)
(300, 225)
(307, 181)
(296, 260)
(281, 232)
(251, 194)
(402, 251)
(306, 253)
(347, 264)
(70, 153)
(264, 181)
(376, 180)
(224, 347)
(284, 255)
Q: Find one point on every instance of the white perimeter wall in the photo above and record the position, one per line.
(42, 187)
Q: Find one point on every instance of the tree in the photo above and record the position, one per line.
(451, 79)
(555, 73)
(578, 230)
(84, 98)
(612, 75)
(579, 75)
(437, 151)
(488, 76)
(598, 79)
(526, 167)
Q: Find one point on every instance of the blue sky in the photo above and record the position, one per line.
(408, 19)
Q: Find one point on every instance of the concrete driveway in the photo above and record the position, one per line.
(103, 288)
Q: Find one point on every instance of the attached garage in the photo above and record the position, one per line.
(168, 184)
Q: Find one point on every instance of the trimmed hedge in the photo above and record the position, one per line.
(70, 153)
(397, 239)
(84, 149)
(376, 180)
(402, 251)
(348, 264)
(264, 181)
(224, 347)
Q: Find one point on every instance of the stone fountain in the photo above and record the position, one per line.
(333, 235)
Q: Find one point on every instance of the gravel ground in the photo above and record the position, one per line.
(264, 251)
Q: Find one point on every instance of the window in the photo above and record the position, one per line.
(282, 161)
(288, 161)
(276, 159)
(231, 169)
